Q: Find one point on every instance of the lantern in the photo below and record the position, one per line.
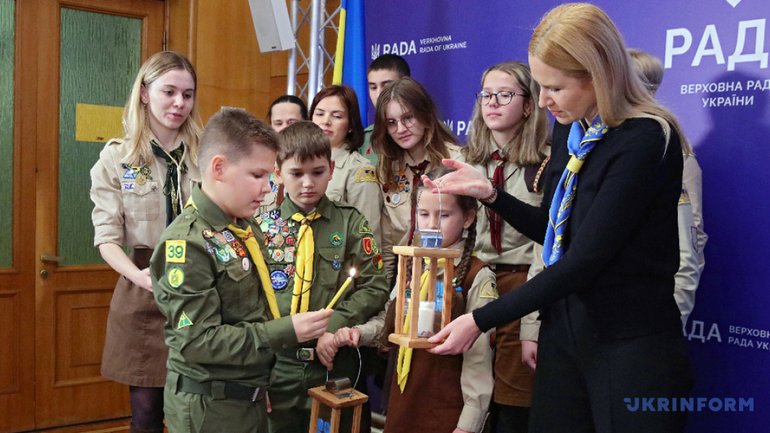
(331, 399)
(425, 318)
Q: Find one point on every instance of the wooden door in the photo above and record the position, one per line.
(88, 52)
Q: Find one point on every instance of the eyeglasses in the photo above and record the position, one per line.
(502, 98)
(408, 120)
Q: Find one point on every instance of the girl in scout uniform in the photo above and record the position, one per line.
(139, 185)
(411, 140)
(335, 111)
(431, 393)
(509, 144)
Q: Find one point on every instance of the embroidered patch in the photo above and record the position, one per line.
(279, 279)
(128, 186)
(184, 321)
(366, 174)
(336, 239)
(488, 290)
(175, 277)
(245, 264)
(367, 244)
(228, 236)
(364, 228)
(176, 251)
(377, 261)
(288, 255)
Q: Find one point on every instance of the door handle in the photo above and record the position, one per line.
(45, 258)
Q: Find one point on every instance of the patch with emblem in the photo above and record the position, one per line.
(279, 279)
(277, 255)
(290, 240)
(337, 265)
(275, 214)
(336, 239)
(395, 198)
(488, 290)
(290, 271)
(228, 236)
(245, 264)
(240, 251)
(128, 186)
(277, 240)
(207, 233)
(176, 251)
(222, 255)
(288, 255)
(220, 239)
(377, 261)
(364, 228)
(231, 251)
(367, 244)
(366, 174)
(175, 277)
(184, 321)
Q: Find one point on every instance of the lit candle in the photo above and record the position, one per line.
(342, 288)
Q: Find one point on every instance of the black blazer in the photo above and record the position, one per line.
(621, 244)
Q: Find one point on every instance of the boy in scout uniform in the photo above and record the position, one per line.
(209, 278)
(313, 244)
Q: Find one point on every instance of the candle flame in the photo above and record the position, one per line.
(352, 272)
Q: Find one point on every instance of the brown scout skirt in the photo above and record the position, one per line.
(134, 349)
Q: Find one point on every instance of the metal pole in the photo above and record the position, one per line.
(291, 75)
(315, 20)
(323, 17)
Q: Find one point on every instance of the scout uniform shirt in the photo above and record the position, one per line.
(354, 182)
(218, 323)
(397, 210)
(343, 239)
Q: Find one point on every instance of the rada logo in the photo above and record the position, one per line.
(402, 48)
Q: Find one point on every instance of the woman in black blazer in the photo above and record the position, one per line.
(610, 333)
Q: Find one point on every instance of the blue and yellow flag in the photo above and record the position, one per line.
(350, 58)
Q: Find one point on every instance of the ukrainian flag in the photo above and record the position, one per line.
(350, 58)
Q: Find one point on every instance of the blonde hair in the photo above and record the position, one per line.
(648, 67)
(413, 97)
(135, 122)
(583, 42)
(528, 145)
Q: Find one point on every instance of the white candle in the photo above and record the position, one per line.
(342, 288)
(425, 321)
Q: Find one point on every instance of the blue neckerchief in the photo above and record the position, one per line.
(581, 141)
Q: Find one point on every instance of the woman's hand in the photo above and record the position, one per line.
(465, 180)
(142, 279)
(457, 337)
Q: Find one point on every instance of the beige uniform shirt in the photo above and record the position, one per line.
(397, 211)
(476, 380)
(516, 248)
(354, 182)
(692, 238)
(129, 205)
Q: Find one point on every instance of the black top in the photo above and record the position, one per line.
(621, 243)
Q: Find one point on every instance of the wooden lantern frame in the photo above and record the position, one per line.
(321, 396)
(418, 254)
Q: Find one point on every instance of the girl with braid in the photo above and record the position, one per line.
(410, 140)
(453, 392)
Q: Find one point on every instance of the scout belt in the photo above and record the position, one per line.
(220, 390)
(304, 354)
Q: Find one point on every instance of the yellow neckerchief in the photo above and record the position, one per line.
(303, 274)
(247, 236)
(405, 353)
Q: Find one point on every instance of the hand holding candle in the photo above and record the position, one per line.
(342, 288)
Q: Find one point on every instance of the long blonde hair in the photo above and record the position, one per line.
(413, 97)
(135, 123)
(583, 42)
(528, 145)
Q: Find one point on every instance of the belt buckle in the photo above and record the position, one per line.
(306, 354)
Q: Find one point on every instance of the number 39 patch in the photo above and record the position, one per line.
(176, 251)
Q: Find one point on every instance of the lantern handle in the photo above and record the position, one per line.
(358, 374)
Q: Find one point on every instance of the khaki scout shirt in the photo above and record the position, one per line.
(129, 205)
(343, 239)
(218, 324)
(516, 248)
(354, 182)
(397, 210)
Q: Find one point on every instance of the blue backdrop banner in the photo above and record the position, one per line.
(717, 81)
